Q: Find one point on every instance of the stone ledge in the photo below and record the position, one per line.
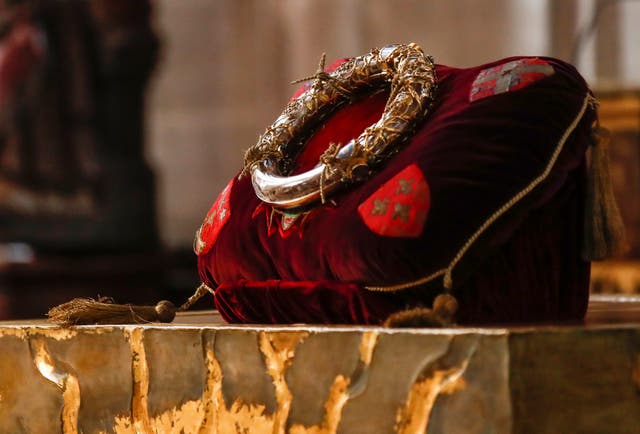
(313, 379)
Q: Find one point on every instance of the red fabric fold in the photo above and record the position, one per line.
(535, 276)
(289, 302)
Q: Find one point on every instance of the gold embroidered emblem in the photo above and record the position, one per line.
(401, 212)
(404, 186)
(216, 218)
(380, 206)
(287, 220)
(211, 217)
(400, 206)
(223, 214)
(198, 244)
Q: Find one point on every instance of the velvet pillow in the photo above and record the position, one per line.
(485, 200)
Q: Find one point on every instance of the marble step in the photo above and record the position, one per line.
(201, 376)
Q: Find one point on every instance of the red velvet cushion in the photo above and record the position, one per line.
(492, 132)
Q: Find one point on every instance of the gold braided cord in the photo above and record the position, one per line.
(448, 281)
(200, 292)
(407, 285)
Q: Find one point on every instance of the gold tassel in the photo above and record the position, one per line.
(88, 311)
(441, 314)
(82, 311)
(604, 233)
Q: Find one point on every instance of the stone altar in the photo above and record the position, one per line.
(201, 376)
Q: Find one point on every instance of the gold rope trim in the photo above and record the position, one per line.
(200, 292)
(448, 281)
(407, 285)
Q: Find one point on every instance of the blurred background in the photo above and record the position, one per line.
(121, 120)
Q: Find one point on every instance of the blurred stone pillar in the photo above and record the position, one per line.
(222, 80)
(600, 38)
(607, 45)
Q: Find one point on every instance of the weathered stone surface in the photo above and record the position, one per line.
(95, 366)
(235, 350)
(176, 368)
(336, 359)
(576, 380)
(483, 407)
(23, 391)
(215, 378)
(54, 380)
